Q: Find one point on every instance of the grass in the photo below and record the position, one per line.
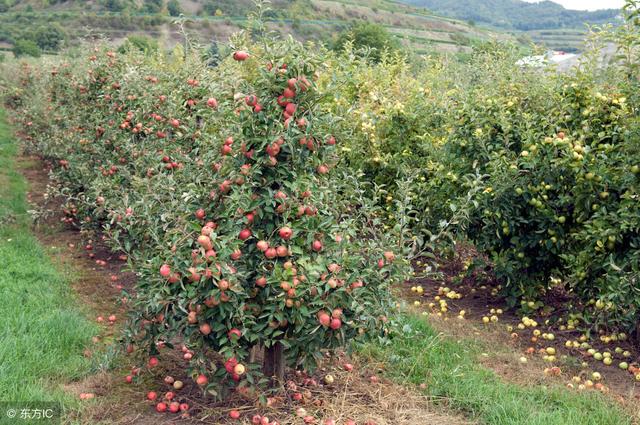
(450, 371)
(42, 331)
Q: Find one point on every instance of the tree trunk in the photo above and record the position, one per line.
(273, 363)
(256, 353)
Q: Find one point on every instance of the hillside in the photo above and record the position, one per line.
(206, 20)
(516, 14)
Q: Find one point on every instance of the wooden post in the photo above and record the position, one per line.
(273, 365)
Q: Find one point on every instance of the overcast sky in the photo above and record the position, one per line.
(588, 4)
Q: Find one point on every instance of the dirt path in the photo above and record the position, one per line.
(100, 276)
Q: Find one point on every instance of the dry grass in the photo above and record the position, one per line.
(350, 396)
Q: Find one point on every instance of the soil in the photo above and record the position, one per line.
(480, 294)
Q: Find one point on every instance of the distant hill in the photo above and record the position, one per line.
(516, 14)
(419, 30)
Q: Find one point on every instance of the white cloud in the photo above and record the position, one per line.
(587, 4)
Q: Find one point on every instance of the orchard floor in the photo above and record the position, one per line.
(480, 300)
(446, 371)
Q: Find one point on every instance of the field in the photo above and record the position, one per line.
(282, 233)
(563, 39)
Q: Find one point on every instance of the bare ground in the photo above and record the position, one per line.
(480, 295)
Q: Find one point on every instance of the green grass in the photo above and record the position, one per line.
(450, 370)
(42, 331)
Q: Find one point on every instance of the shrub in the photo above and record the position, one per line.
(151, 6)
(173, 7)
(370, 36)
(50, 37)
(114, 5)
(139, 42)
(26, 48)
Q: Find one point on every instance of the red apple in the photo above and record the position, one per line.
(205, 242)
(289, 93)
(324, 319)
(165, 270)
(316, 245)
(251, 100)
(282, 251)
(335, 324)
(240, 55)
(205, 328)
(235, 255)
(282, 101)
(244, 234)
(285, 233)
(389, 256)
(271, 253)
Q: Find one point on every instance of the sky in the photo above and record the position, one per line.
(588, 4)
